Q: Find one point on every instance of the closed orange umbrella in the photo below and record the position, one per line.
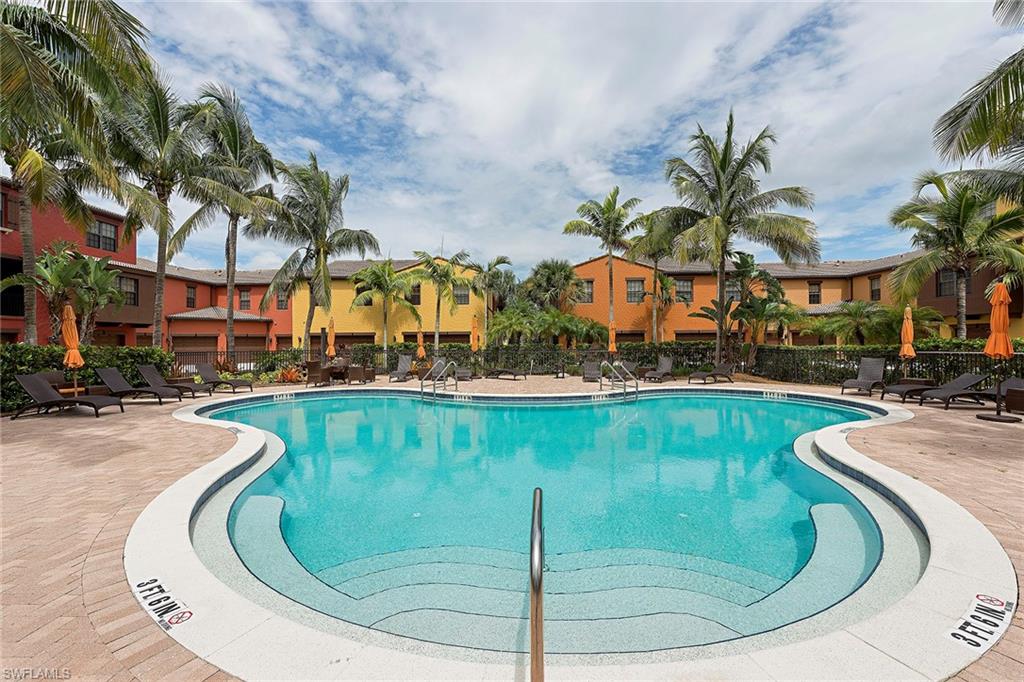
(998, 347)
(330, 339)
(907, 335)
(611, 338)
(421, 352)
(69, 331)
(474, 342)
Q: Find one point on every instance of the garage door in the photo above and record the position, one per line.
(192, 343)
(250, 343)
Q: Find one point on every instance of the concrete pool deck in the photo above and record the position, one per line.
(68, 507)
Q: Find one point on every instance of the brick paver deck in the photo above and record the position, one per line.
(71, 486)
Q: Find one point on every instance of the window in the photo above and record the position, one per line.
(634, 290)
(282, 301)
(732, 289)
(190, 296)
(876, 288)
(360, 290)
(415, 295)
(129, 286)
(244, 301)
(462, 295)
(102, 236)
(684, 291)
(813, 293)
(945, 283)
(587, 291)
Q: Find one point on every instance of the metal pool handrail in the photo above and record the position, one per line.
(616, 375)
(442, 374)
(537, 589)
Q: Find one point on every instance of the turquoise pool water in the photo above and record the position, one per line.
(670, 521)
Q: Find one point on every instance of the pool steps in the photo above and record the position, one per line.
(661, 599)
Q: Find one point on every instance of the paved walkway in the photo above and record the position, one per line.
(71, 487)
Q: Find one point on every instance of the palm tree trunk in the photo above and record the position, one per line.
(437, 325)
(654, 307)
(720, 323)
(961, 304)
(161, 271)
(385, 332)
(309, 321)
(231, 256)
(611, 288)
(28, 262)
(487, 304)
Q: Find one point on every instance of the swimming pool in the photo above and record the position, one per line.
(671, 521)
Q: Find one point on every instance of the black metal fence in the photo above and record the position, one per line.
(241, 361)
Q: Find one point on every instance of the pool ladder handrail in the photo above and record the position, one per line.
(616, 370)
(537, 589)
(443, 374)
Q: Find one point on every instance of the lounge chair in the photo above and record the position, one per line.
(722, 371)
(959, 388)
(504, 372)
(209, 375)
(869, 375)
(404, 371)
(907, 388)
(119, 386)
(591, 371)
(662, 371)
(990, 393)
(155, 379)
(44, 397)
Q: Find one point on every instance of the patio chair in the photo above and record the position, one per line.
(119, 386)
(209, 375)
(504, 372)
(317, 374)
(1013, 400)
(662, 371)
(722, 371)
(404, 371)
(44, 397)
(907, 388)
(959, 388)
(869, 375)
(591, 370)
(1011, 383)
(154, 378)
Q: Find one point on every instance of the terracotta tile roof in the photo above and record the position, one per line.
(216, 313)
(824, 269)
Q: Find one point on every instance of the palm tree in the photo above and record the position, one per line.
(312, 220)
(553, 283)
(856, 320)
(489, 282)
(59, 60)
(961, 230)
(516, 323)
(609, 222)
(444, 275)
(721, 201)
(655, 245)
(240, 161)
(159, 139)
(380, 281)
(889, 323)
(95, 288)
(55, 276)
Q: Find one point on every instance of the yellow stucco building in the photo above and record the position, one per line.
(365, 324)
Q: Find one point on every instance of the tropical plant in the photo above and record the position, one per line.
(234, 157)
(445, 275)
(55, 277)
(312, 220)
(491, 283)
(959, 230)
(96, 287)
(553, 283)
(158, 139)
(889, 323)
(515, 324)
(59, 61)
(655, 245)
(587, 330)
(852, 321)
(379, 281)
(721, 201)
(759, 313)
(609, 222)
(751, 281)
(718, 313)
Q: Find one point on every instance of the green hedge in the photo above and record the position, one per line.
(20, 358)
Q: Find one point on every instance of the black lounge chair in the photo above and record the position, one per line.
(44, 397)
(662, 371)
(155, 379)
(209, 375)
(1012, 383)
(722, 371)
(404, 371)
(869, 375)
(503, 372)
(119, 386)
(907, 389)
(959, 388)
(591, 371)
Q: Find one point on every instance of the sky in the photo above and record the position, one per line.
(483, 126)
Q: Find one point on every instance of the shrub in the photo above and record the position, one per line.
(21, 358)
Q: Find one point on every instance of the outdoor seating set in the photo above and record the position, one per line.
(325, 374)
(47, 390)
(441, 369)
(1007, 394)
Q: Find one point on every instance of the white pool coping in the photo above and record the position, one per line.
(911, 639)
